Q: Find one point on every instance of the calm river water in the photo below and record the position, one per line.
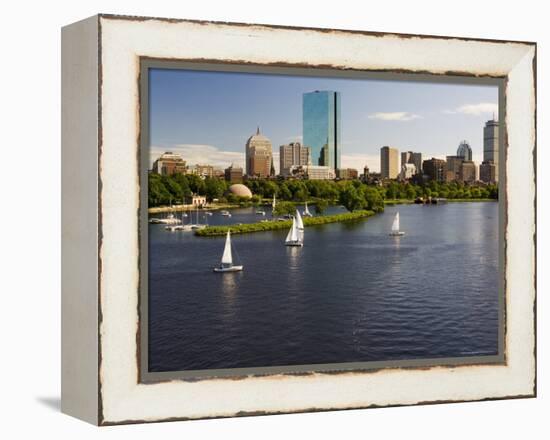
(351, 294)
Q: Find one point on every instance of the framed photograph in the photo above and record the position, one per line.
(265, 219)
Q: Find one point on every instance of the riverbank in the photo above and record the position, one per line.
(181, 208)
(273, 225)
(409, 201)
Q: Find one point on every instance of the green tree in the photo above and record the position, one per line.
(283, 208)
(351, 199)
(321, 206)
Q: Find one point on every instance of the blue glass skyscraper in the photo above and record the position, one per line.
(322, 127)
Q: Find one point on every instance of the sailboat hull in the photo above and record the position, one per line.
(396, 234)
(294, 243)
(228, 269)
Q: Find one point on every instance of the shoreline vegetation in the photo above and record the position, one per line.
(165, 190)
(272, 225)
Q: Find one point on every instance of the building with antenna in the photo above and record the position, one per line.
(464, 150)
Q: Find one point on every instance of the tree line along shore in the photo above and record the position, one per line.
(272, 225)
(352, 194)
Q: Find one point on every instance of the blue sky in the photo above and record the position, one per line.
(208, 116)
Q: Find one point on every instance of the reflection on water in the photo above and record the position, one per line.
(352, 293)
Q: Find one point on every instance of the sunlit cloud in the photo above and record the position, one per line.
(358, 162)
(482, 108)
(394, 116)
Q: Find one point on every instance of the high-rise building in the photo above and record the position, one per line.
(435, 169)
(464, 150)
(389, 162)
(322, 130)
(467, 172)
(293, 154)
(490, 144)
(234, 174)
(259, 155)
(414, 158)
(169, 163)
(453, 167)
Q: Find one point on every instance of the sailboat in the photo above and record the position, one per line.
(306, 212)
(295, 236)
(273, 205)
(395, 232)
(226, 264)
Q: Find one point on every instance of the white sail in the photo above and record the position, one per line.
(299, 222)
(395, 224)
(306, 211)
(274, 202)
(293, 233)
(227, 257)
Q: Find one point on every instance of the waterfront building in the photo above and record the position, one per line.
(347, 173)
(312, 172)
(234, 174)
(467, 172)
(490, 144)
(196, 200)
(293, 154)
(259, 155)
(408, 171)
(435, 169)
(169, 163)
(321, 125)
(453, 168)
(412, 157)
(488, 172)
(389, 162)
(204, 170)
(464, 150)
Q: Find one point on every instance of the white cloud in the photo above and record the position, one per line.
(394, 116)
(358, 162)
(479, 109)
(200, 154)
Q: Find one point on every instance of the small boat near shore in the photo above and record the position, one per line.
(306, 212)
(226, 264)
(225, 213)
(260, 212)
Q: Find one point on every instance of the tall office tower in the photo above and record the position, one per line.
(389, 163)
(490, 144)
(464, 150)
(414, 158)
(259, 155)
(321, 125)
(293, 154)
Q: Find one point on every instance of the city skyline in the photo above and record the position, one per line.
(208, 116)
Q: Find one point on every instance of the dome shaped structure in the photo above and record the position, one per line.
(238, 189)
(464, 150)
